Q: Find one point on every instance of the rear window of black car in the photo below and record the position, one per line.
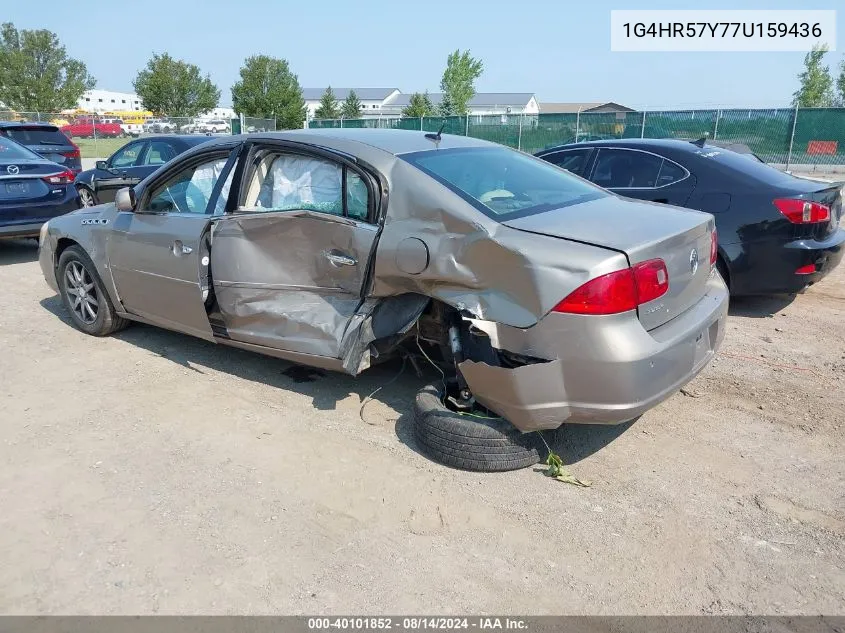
(744, 163)
(502, 183)
(36, 136)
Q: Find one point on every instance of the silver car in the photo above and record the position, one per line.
(538, 297)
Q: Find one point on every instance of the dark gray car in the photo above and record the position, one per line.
(538, 296)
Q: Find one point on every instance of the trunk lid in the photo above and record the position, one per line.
(642, 231)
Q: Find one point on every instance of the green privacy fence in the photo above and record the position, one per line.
(785, 136)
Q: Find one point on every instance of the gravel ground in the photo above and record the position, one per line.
(154, 473)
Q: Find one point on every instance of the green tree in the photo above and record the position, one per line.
(328, 108)
(36, 73)
(840, 84)
(269, 90)
(418, 105)
(175, 88)
(351, 106)
(446, 107)
(458, 82)
(816, 89)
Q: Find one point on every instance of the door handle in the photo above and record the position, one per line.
(338, 259)
(180, 249)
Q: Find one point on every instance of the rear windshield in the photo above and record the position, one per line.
(747, 164)
(502, 183)
(36, 136)
(10, 151)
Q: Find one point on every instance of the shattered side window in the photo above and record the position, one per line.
(188, 191)
(357, 197)
(289, 182)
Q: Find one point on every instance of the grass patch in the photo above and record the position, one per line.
(101, 147)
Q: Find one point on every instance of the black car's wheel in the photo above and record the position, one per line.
(470, 441)
(84, 296)
(86, 196)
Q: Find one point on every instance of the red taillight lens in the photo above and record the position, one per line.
(618, 291)
(809, 269)
(64, 178)
(714, 248)
(802, 211)
(652, 280)
(72, 154)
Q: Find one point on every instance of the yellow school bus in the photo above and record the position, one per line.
(135, 117)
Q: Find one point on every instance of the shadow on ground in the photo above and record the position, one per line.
(18, 251)
(398, 380)
(759, 307)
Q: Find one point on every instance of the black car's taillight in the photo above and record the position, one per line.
(800, 211)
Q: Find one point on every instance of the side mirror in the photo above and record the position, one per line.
(124, 200)
(101, 164)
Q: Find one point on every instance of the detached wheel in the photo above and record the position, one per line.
(85, 296)
(470, 441)
(86, 196)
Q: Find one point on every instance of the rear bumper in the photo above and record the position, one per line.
(601, 369)
(773, 269)
(27, 220)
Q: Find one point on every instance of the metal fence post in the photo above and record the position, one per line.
(792, 137)
(716, 126)
(467, 130)
(341, 121)
(519, 138)
(421, 124)
(577, 123)
(642, 129)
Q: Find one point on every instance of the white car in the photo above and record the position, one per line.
(129, 129)
(213, 126)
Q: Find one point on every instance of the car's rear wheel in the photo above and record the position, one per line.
(84, 295)
(472, 441)
(86, 196)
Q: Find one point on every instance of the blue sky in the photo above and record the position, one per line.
(558, 50)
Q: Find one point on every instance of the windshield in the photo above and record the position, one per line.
(502, 183)
(36, 136)
(11, 151)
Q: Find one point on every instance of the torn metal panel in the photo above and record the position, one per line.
(531, 397)
(378, 319)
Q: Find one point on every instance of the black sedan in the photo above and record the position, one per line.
(32, 190)
(130, 165)
(777, 233)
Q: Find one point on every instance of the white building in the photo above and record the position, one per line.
(389, 102)
(483, 103)
(372, 99)
(106, 100)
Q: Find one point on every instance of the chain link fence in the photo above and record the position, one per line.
(786, 137)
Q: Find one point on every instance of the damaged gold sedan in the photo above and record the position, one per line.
(542, 298)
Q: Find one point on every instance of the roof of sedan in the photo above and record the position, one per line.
(669, 143)
(391, 141)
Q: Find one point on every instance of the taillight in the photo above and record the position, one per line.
(618, 291)
(74, 153)
(802, 211)
(714, 248)
(64, 178)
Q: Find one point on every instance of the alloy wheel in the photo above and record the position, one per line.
(81, 292)
(86, 197)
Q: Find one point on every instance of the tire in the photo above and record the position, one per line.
(467, 442)
(86, 196)
(99, 318)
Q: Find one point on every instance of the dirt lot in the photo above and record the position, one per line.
(155, 473)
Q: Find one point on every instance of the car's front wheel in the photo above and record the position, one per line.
(86, 196)
(84, 295)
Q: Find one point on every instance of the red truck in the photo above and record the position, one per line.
(89, 129)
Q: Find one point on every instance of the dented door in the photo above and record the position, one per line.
(290, 280)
